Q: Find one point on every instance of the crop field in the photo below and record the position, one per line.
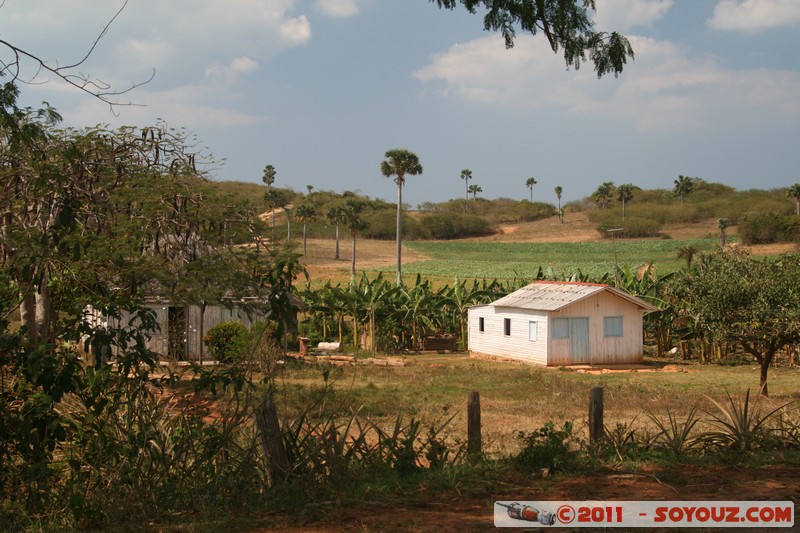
(522, 260)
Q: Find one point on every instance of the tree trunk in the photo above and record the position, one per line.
(305, 249)
(202, 329)
(763, 381)
(43, 310)
(336, 256)
(353, 259)
(399, 230)
(27, 311)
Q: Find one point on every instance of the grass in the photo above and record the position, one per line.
(517, 397)
(515, 260)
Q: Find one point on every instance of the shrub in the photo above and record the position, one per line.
(454, 226)
(227, 341)
(547, 447)
(762, 228)
(382, 226)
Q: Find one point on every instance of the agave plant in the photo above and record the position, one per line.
(742, 425)
(675, 434)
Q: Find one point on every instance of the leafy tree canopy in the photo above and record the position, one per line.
(566, 24)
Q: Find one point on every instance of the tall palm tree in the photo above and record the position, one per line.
(336, 216)
(794, 192)
(474, 190)
(398, 163)
(466, 175)
(529, 183)
(624, 194)
(684, 185)
(304, 213)
(559, 189)
(603, 194)
(351, 215)
(269, 178)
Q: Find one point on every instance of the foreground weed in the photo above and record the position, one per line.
(742, 426)
(675, 434)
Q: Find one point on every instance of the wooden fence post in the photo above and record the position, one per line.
(596, 430)
(266, 419)
(474, 426)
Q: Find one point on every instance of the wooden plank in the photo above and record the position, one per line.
(474, 426)
(596, 430)
(269, 432)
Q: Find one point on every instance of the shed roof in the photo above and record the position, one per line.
(554, 295)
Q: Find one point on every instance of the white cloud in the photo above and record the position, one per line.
(665, 89)
(623, 15)
(754, 15)
(338, 8)
(296, 30)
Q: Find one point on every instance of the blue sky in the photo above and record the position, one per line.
(322, 88)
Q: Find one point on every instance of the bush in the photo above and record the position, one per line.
(227, 341)
(763, 228)
(547, 447)
(454, 226)
(382, 226)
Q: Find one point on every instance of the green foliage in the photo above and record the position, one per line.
(227, 341)
(765, 228)
(743, 426)
(452, 226)
(675, 434)
(547, 447)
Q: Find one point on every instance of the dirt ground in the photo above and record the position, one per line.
(447, 513)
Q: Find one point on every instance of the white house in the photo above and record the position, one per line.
(561, 323)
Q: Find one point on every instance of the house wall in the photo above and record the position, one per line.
(603, 350)
(493, 341)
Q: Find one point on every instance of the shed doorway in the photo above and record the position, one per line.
(176, 333)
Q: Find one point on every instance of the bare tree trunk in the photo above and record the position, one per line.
(353, 259)
(336, 256)
(43, 310)
(399, 231)
(27, 311)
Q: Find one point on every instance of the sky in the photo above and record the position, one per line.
(320, 89)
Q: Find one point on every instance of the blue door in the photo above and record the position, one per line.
(579, 338)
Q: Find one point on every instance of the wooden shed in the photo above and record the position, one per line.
(561, 323)
(181, 327)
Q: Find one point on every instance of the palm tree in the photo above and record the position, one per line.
(474, 190)
(529, 183)
(559, 189)
(398, 163)
(603, 194)
(336, 217)
(304, 213)
(684, 185)
(466, 175)
(287, 210)
(624, 194)
(722, 224)
(687, 253)
(309, 188)
(269, 178)
(794, 192)
(351, 216)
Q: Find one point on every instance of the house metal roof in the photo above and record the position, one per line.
(553, 295)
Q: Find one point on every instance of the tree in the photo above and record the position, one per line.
(794, 192)
(336, 217)
(684, 186)
(474, 190)
(268, 177)
(558, 191)
(565, 23)
(69, 72)
(466, 175)
(624, 194)
(529, 183)
(398, 163)
(602, 196)
(722, 225)
(749, 302)
(351, 215)
(309, 188)
(304, 214)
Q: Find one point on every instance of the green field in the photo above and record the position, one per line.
(522, 260)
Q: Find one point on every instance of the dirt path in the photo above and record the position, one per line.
(446, 513)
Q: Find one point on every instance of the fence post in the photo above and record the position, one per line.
(266, 419)
(596, 414)
(474, 426)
